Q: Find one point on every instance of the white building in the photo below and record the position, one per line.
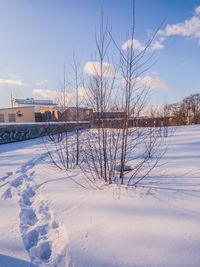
(38, 104)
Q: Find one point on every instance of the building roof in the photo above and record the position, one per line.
(33, 101)
(17, 107)
(80, 108)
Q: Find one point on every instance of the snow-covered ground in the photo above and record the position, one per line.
(48, 220)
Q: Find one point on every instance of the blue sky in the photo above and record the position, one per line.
(37, 37)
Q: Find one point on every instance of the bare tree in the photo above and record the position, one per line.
(100, 86)
(186, 111)
(111, 147)
(76, 72)
(61, 96)
(194, 106)
(113, 151)
(133, 65)
(67, 147)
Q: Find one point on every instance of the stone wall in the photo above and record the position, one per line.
(24, 131)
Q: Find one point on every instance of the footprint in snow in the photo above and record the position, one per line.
(32, 173)
(7, 194)
(28, 217)
(41, 253)
(18, 181)
(43, 229)
(31, 239)
(8, 174)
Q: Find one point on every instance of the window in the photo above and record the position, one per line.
(19, 114)
(11, 118)
(1, 117)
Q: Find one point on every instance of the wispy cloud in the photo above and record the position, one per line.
(154, 111)
(94, 68)
(53, 94)
(187, 28)
(147, 81)
(83, 93)
(156, 45)
(134, 43)
(155, 73)
(15, 76)
(153, 83)
(46, 93)
(17, 82)
(41, 82)
(197, 10)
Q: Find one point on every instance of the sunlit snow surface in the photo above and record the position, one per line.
(47, 219)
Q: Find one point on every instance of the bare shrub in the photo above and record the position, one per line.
(111, 148)
(113, 151)
(142, 155)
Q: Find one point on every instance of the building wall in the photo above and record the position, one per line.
(52, 110)
(84, 114)
(110, 115)
(38, 104)
(18, 114)
(23, 131)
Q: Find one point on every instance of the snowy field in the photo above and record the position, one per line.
(48, 220)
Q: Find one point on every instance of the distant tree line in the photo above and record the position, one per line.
(186, 111)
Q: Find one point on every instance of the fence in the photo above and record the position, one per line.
(24, 131)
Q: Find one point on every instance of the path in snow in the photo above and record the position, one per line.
(43, 237)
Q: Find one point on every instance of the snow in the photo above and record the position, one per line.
(49, 220)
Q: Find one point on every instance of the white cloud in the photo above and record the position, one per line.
(15, 76)
(94, 68)
(148, 81)
(155, 73)
(134, 43)
(52, 94)
(17, 82)
(188, 28)
(156, 45)
(46, 93)
(162, 38)
(154, 111)
(42, 82)
(197, 10)
(153, 83)
(83, 93)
